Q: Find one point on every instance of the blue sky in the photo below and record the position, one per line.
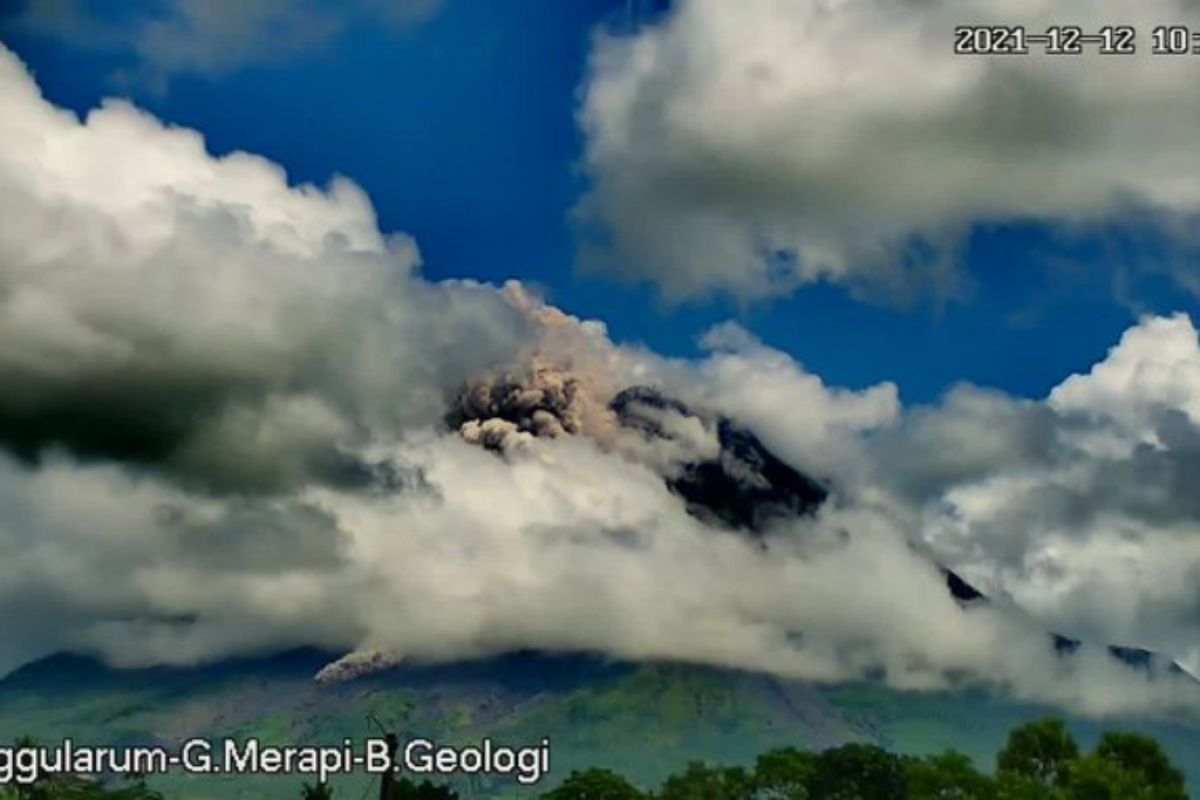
(462, 129)
(192, 334)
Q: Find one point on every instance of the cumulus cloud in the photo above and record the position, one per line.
(175, 37)
(161, 306)
(224, 430)
(816, 427)
(568, 549)
(756, 146)
(1076, 508)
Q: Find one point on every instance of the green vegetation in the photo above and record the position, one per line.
(67, 788)
(320, 791)
(646, 721)
(1040, 761)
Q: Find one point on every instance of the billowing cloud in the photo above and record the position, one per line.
(567, 549)
(1079, 508)
(224, 430)
(174, 37)
(755, 146)
(815, 426)
(160, 306)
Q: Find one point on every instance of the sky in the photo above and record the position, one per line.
(461, 123)
(314, 318)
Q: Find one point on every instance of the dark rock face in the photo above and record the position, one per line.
(1138, 658)
(960, 590)
(746, 487)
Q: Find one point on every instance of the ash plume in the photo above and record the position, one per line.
(222, 432)
(504, 411)
(723, 473)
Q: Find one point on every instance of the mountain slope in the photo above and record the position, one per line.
(645, 720)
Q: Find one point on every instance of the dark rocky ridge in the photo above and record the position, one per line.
(746, 487)
(1140, 658)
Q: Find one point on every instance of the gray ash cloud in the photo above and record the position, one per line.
(740, 484)
(723, 473)
(229, 394)
(502, 411)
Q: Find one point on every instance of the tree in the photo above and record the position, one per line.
(138, 791)
(859, 772)
(595, 784)
(1042, 751)
(425, 790)
(1125, 766)
(1012, 786)
(948, 776)
(73, 787)
(784, 774)
(1093, 778)
(701, 782)
(1143, 758)
(321, 791)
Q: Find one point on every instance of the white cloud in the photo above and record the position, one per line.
(814, 426)
(1155, 368)
(163, 306)
(1078, 509)
(197, 37)
(755, 146)
(565, 549)
(225, 397)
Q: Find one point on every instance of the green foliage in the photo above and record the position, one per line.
(859, 772)
(784, 774)
(320, 791)
(1143, 758)
(1125, 766)
(1042, 751)
(595, 784)
(1093, 778)
(1013, 786)
(1041, 761)
(68, 788)
(702, 782)
(948, 776)
(425, 790)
